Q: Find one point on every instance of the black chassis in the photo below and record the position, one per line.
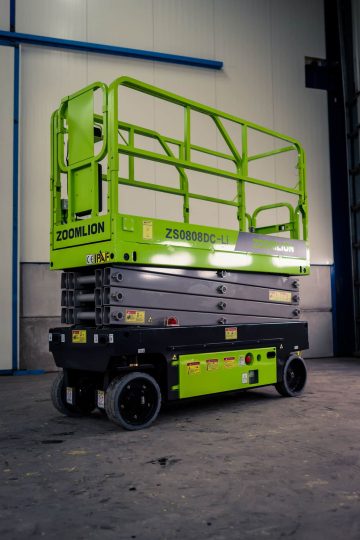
(111, 351)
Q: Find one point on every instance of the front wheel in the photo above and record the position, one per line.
(133, 401)
(294, 377)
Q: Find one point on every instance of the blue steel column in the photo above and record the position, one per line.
(15, 220)
(15, 216)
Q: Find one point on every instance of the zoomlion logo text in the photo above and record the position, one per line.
(269, 244)
(80, 231)
(98, 258)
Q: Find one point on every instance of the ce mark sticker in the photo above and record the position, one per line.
(97, 258)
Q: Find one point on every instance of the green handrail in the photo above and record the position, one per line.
(181, 157)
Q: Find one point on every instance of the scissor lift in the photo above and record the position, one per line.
(159, 309)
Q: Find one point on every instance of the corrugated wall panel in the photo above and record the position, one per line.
(263, 44)
(261, 78)
(184, 27)
(54, 18)
(298, 31)
(47, 75)
(121, 22)
(4, 15)
(244, 86)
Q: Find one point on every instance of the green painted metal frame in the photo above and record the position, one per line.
(119, 138)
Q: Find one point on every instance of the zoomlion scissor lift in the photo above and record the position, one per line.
(158, 310)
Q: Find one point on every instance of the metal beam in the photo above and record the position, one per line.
(84, 46)
(15, 223)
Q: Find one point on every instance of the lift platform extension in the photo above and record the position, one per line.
(157, 309)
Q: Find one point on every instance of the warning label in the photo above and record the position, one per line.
(147, 230)
(193, 368)
(212, 364)
(229, 362)
(78, 336)
(133, 316)
(280, 296)
(231, 333)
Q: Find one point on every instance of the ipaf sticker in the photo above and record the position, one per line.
(231, 333)
(78, 336)
(193, 368)
(229, 362)
(212, 364)
(98, 258)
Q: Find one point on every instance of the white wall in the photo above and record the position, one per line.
(4, 15)
(262, 43)
(6, 198)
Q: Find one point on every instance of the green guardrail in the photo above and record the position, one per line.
(76, 203)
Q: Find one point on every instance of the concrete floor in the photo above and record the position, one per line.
(242, 466)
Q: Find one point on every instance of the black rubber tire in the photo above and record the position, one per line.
(58, 398)
(128, 397)
(294, 377)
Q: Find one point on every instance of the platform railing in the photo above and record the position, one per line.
(119, 137)
(183, 162)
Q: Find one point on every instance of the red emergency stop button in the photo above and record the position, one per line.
(248, 359)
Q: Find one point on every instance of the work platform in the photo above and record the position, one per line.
(88, 229)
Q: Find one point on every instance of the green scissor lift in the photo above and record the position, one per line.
(161, 309)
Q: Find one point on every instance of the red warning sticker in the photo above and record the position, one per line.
(193, 368)
(229, 362)
(231, 333)
(212, 364)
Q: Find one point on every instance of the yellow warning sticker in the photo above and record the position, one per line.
(147, 230)
(193, 368)
(133, 316)
(78, 336)
(212, 364)
(229, 362)
(280, 296)
(231, 333)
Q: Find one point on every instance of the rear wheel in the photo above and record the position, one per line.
(294, 377)
(84, 398)
(133, 401)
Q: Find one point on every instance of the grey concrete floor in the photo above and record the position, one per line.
(242, 466)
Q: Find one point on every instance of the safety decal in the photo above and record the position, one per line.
(244, 378)
(229, 362)
(98, 258)
(134, 316)
(231, 333)
(78, 336)
(193, 368)
(212, 364)
(280, 296)
(69, 395)
(147, 230)
(100, 398)
(242, 361)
